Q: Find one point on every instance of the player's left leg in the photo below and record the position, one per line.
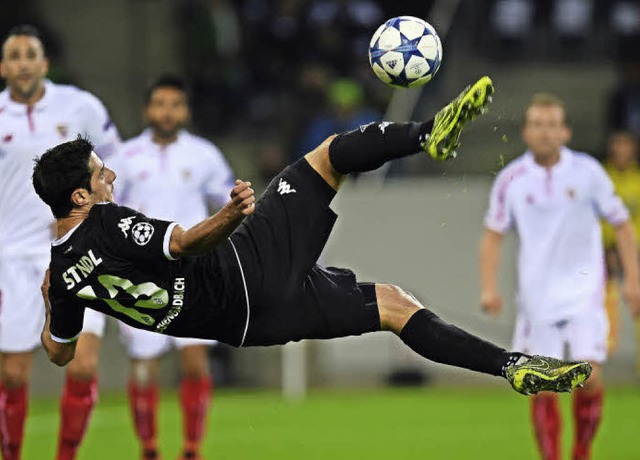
(195, 395)
(145, 349)
(587, 340)
(370, 146)
(426, 334)
(79, 396)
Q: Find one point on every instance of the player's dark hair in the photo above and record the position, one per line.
(167, 81)
(24, 30)
(61, 170)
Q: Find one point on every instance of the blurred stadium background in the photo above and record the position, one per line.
(269, 75)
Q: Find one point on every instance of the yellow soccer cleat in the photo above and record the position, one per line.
(449, 121)
(532, 374)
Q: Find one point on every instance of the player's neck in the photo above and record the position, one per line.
(164, 140)
(28, 99)
(548, 161)
(66, 224)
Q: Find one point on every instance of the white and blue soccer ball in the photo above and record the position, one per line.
(405, 52)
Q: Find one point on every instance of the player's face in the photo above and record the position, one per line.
(101, 180)
(622, 151)
(545, 130)
(24, 67)
(167, 111)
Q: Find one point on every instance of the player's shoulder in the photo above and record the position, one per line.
(134, 146)
(71, 96)
(585, 162)
(199, 144)
(515, 170)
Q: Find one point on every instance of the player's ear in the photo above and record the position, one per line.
(79, 197)
(45, 66)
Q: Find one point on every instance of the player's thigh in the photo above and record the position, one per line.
(84, 365)
(142, 344)
(21, 306)
(194, 356)
(319, 160)
(538, 338)
(587, 336)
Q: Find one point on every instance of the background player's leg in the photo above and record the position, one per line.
(143, 393)
(79, 396)
(545, 415)
(195, 397)
(587, 413)
(16, 369)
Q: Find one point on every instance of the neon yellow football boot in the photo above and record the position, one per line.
(532, 374)
(449, 121)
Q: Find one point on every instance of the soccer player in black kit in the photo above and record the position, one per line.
(248, 275)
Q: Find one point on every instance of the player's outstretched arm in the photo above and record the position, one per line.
(59, 354)
(217, 228)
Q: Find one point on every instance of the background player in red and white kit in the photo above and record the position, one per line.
(36, 114)
(554, 198)
(172, 174)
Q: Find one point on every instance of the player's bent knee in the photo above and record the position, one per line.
(396, 306)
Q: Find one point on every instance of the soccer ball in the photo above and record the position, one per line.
(405, 52)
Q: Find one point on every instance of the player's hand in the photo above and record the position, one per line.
(631, 292)
(243, 197)
(491, 302)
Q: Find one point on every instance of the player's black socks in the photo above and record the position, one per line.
(370, 146)
(429, 336)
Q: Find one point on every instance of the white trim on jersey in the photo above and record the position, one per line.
(246, 293)
(65, 237)
(167, 240)
(61, 340)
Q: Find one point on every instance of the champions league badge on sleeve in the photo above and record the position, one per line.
(142, 233)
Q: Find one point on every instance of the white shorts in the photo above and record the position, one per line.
(21, 306)
(94, 322)
(142, 344)
(584, 336)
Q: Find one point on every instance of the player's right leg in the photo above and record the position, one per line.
(426, 334)
(80, 393)
(370, 146)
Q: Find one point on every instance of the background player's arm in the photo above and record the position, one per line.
(490, 249)
(217, 228)
(628, 250)
(59, 353)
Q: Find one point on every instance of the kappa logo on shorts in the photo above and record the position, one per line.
(125, 224)
(142, 233)
(284, 188)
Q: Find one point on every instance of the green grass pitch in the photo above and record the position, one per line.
(473, 423)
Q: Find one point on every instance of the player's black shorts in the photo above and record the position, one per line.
(290, 297)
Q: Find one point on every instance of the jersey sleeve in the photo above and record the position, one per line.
(608, 204)
(221, 179)
(499, 216)
(99, 127)
(135, 236)
(67, 317)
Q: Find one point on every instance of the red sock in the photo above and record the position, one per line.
(545, 415)
(195, 395)
(79, 397)
(144, 409)
(587, 413)
(13, 411)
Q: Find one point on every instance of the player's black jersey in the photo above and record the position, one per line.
(117, 261)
